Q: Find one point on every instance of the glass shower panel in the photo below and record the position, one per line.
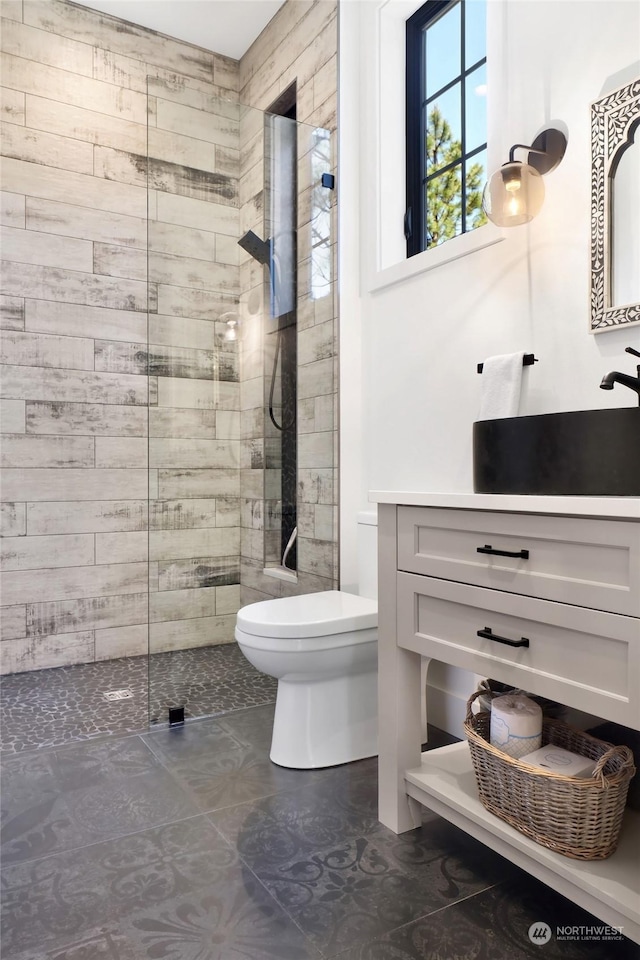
(193, 173)
(240, 263)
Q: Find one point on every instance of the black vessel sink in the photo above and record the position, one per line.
(582, 453)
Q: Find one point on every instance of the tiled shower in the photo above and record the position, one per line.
(140, 483)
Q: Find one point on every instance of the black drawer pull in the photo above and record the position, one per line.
(521, 554)
(488, 634)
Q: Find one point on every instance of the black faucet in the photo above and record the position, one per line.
(614, 377)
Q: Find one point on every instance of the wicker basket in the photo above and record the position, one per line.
(579, 818)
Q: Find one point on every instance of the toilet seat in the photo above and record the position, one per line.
(326, 614)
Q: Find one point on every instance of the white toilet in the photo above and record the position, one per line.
(323, 650)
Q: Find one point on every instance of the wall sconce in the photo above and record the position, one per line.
(515, 192)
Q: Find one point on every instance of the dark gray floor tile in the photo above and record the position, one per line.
(253, 726)
(219, 770)
(150, 886)
(83, 793)
(343, 876)
(494, 925)
(341, 802)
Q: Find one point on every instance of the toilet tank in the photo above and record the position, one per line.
(368, 554)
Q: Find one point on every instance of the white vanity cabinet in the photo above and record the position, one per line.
(539, 592)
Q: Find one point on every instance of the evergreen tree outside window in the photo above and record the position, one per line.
(446, 121)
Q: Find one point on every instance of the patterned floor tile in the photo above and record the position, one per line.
(178, 891)
(218, 769)
(83, 793)
(495, 925)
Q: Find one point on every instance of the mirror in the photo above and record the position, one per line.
(615, 208)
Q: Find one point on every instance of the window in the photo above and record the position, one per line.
(446, 121)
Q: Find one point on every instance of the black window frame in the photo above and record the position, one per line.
(416, 115)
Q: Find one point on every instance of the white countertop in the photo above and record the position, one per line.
(622, 508)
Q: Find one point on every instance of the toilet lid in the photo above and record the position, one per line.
(310, 615)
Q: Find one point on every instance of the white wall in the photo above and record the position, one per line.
(421, 338)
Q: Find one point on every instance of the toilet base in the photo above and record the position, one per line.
(326, 723)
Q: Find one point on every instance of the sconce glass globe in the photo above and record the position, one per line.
(513, 195)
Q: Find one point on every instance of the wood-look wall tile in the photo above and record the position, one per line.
(72, 484)
(199, 214)
(50, 149)
(11, 313)
(192, 303)
(228, 425)
(41, 383)
(228, 599)
(73, 286)
(206, 95)
(315, 450)
(316, 486)
(253, 578)
(13, 622)
(12, 416)
(12, 209)
(93, 516)
(12, 105)
(187, 271)
(120, 165)
(205, 125)
(118, 69)
(47, 183)
(29, 246)
(34, 553)
(43, 47)
(176, 422)
(167, 605)
(198, 572)
(118, 261)
(164, 361)
(12, 9)
(87, 125)
(186, 634)
(84, 24)
(13, 520)
(184, 544)
(69, 220)
(193, 454)
(315, 557)
(34, 76)
(89, 419)
(74, 583)
(182, 514)
(72, 616)
(41, 350)
(195, 182)
(22, 451)
(122, 547)
(201, 394)
(226, 72)
(227, 512)
(70, 319)
(43, 653)
(118, 642)
(317, 342)
(121, 452)
(315, 379)
(182, 332)
(181, 240)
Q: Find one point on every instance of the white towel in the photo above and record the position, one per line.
(501, 382)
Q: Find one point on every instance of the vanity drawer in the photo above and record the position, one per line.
(584, 658)
(582, 561)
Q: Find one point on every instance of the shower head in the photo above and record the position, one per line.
(259, 249)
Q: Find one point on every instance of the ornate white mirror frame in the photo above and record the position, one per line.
(614, 119)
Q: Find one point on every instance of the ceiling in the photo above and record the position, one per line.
(224, 26)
